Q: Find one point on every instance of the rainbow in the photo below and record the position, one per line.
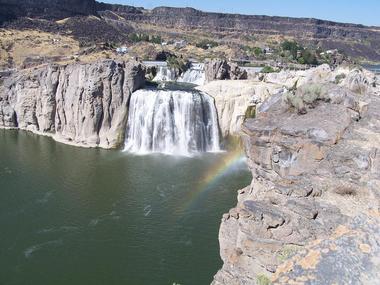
(212, 175)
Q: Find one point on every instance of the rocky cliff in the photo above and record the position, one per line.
(46, 9)
(312, 212)
(364, 41)
(116, 22)
(81, 104)
(233, 98)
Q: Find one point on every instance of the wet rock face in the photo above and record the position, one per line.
(312, 209)
(83, 104)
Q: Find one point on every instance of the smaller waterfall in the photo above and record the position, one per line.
(195, 74)
(171, 122)
(165, 73)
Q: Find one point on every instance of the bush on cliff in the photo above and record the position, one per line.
(268, 69)
(306, 96)
(178, 63)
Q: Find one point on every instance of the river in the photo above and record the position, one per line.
(88, 216)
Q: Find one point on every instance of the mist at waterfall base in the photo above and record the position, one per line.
(88, 216)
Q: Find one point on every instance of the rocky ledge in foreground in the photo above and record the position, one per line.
(311, 214)
(80, 104)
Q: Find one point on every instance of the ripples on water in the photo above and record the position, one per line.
(88, 216)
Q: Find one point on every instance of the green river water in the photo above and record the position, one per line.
(87, 216)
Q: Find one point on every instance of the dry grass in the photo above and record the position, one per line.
(20, 46)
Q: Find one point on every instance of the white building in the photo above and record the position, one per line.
(122, 50)
(180, 44)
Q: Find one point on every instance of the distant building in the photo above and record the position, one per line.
(268, 51)
(122, 50)
(180, 44)
(330, 51)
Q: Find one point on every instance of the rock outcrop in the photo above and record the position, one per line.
(312, 212)
(233, 98)
(222, 70)
(81, 104)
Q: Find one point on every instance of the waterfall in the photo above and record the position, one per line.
(171, 122)
(195, 74)
(165, 73)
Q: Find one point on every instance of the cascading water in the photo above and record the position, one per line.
(165, 73)
(172, 122)
(195, 74)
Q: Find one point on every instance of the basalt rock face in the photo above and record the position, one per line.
(312, 212)
(46, 9)
(365, 41)
(81, 104)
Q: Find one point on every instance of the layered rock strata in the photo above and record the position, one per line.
(81, 104)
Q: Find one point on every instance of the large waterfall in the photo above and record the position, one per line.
(172, 122)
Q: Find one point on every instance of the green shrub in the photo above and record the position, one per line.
(178, 63)
(306, 95)
(268, 69)
(292, 47)
(287, 252)
(250, 113)
(263, 280)
(309, 57)
(253, 50)
(135, 38)
(205, 44)
(339, 78)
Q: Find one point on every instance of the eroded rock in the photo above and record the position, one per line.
(81, 104)
(311, 214)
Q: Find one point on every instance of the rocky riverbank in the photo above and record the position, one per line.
(311, 214)
(79, 104)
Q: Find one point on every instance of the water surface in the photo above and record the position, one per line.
(88, 216)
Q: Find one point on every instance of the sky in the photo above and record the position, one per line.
(366, 12)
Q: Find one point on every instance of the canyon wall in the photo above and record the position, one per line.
(81, 104)
(46, 9)
(364, 41)
(357, 41)
(312, 212)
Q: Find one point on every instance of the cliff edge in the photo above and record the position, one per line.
(312, 212)
(80, 104)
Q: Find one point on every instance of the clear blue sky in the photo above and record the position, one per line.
(365, 12)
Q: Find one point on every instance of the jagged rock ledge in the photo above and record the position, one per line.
(312, 212)
(81, 104)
